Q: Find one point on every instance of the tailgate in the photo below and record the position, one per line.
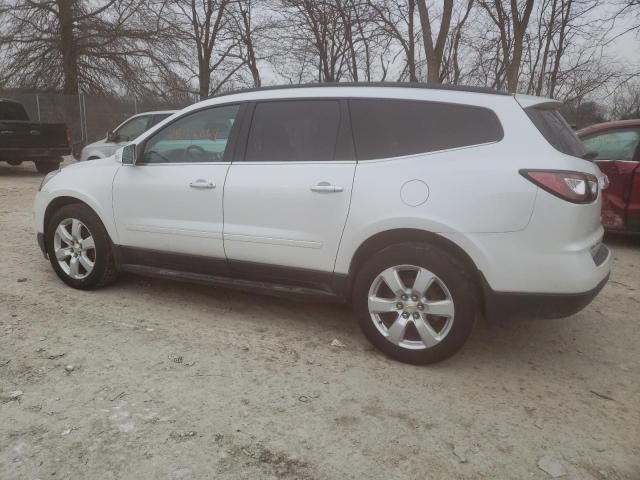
(15, 134)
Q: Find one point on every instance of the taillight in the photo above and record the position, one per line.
(575, 187)
(68, 137)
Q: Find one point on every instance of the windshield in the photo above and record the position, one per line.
(556, 130)
(132, 129)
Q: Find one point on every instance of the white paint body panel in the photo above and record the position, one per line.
(156, 208)
(521, 238)
(273, 217)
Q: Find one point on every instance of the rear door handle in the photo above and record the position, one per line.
(201, 183)
(326, 187)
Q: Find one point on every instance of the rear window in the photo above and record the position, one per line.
(394, 128)
(12, 111)
(556, 130)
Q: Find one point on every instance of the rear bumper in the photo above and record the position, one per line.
(500, 305)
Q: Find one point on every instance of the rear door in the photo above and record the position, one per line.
(286, 200)
(614, 153)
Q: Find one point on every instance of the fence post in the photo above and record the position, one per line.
(38, 106)
(81, 122)
(84, 115)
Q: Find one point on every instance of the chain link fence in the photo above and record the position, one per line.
(88, 117)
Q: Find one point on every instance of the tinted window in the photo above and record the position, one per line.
(614, 145)
(132, 128)
(199, 137)
(294, 131)
(12, 111)
(392, 128)
(556, 130)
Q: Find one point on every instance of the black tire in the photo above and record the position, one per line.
(46, 166)
(104, 269)
(451, 271)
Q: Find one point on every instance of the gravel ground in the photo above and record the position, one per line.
(154, 379)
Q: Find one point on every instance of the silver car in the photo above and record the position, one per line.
(123, 134)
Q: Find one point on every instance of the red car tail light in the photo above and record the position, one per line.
(574, 187)
(68, 136)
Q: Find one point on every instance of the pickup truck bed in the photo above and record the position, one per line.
(22, 140)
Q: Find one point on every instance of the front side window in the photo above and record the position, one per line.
(385, 128)
(197, 137)
(132, 128)
(294, 131)
(614, 145)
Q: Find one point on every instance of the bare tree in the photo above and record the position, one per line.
(247, 30)
(203, 26)
(78, 44)
(434, 51)
(511, 20)
(395, 20)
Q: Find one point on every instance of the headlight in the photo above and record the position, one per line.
(48, 177)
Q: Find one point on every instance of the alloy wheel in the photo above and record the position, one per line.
(74, 248)
(411, 307)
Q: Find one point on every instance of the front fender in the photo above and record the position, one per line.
(90, 183)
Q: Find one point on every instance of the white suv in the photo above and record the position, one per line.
(424, 207)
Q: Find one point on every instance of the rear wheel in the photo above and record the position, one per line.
(46, 166)
(415, 302)
(79, 248)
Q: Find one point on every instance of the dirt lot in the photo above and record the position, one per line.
(154, 379)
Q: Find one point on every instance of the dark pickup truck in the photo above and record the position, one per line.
(24, 141)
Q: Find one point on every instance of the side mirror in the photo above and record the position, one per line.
(129, 154)
(112, 137)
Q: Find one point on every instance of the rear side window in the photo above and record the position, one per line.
(556, 130)
(12, 111)
(155, 119)
(393, 128)
(294, 131)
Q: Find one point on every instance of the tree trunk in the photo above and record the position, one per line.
(68, 47)
(434, 53)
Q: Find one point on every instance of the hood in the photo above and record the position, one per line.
(93, 163)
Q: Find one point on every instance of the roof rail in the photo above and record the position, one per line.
(430, 86)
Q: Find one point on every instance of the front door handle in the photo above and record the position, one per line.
(326, 187)
(202, 183)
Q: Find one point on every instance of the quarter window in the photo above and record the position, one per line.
(198, 137)
(393, 128)
(614, 145)
(294, 131)
(554, 128)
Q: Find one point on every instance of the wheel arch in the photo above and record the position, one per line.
(384, 239)
(62, 201)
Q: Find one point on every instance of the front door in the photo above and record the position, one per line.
(615, 155)
(287, 199)
(171, 200)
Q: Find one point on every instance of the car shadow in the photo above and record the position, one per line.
(622, 240)
(27, 169)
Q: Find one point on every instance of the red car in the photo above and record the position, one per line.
(616, 150)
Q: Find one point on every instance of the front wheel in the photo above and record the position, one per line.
(46, 166)
(79, 248)
(415, 302)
